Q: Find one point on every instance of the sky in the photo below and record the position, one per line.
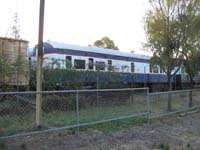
(79, 22)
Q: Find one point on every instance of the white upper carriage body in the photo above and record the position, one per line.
(81, 57)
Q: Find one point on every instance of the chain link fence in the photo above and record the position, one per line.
(67, 109)
(78, 108)
(166, 103)
(17, 113)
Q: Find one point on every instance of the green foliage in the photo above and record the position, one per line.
(105, 42)
(3, 145)
(192, 63)
(5, 69)
(172, 28)
(164, 146)
(163, 34)
(21, 66)
(23, 146)
(155, 61)
(55, 79)
(189, 22)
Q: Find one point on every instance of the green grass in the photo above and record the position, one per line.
(117, 124)
(3, 145)
(13, 123)
(159, 103)
(60, 118)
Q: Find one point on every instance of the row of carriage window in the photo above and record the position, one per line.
(99, 65)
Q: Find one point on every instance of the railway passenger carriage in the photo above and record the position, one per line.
(93, 58)
(133, 68)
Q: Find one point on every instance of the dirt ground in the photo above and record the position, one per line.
(171, 133)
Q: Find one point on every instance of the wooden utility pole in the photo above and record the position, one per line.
(39, 66)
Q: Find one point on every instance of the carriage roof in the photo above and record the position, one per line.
(59, 45)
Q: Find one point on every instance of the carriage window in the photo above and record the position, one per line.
(151, 68)
(68, 62)
(155, 69)
(100, 65)
(132, 67)
(183, 70)
(109, 65)
(79, 64)
(161, 70)
(91, 63)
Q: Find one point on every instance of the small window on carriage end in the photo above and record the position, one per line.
(79, 64)
(132, 67)
(91, 63)
(68, 62)
(109, 65)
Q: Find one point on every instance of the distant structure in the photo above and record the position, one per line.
(16, 52)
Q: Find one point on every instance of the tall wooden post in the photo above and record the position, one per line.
(39, 66)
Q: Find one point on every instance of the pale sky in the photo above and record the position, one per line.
(79, 21)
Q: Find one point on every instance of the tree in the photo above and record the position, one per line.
(20, 67)
(163, 35)
(5, 68)
(16, 27)
(189, 19)
(105, 42)
(171, 26)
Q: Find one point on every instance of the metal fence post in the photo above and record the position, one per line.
(77, 112)
(187, 101)
(97, 102)
(148, 106)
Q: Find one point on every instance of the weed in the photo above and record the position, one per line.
(161, 146)
(188, 145)
(23, 146)
(2, 145)
(116, 125)
(166, 147)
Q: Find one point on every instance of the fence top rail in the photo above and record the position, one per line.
(168, 92)
(74, 91)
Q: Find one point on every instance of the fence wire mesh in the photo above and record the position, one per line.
(17, 113)
(102, 105)
(59, 109)
(195, 97)
(165, 103)
(67, 108)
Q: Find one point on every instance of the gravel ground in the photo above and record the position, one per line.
(170, 133)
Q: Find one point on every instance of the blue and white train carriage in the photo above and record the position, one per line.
(93, 58)
(134, 67)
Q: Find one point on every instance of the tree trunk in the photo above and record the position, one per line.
(190, 98)
(169, 105)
